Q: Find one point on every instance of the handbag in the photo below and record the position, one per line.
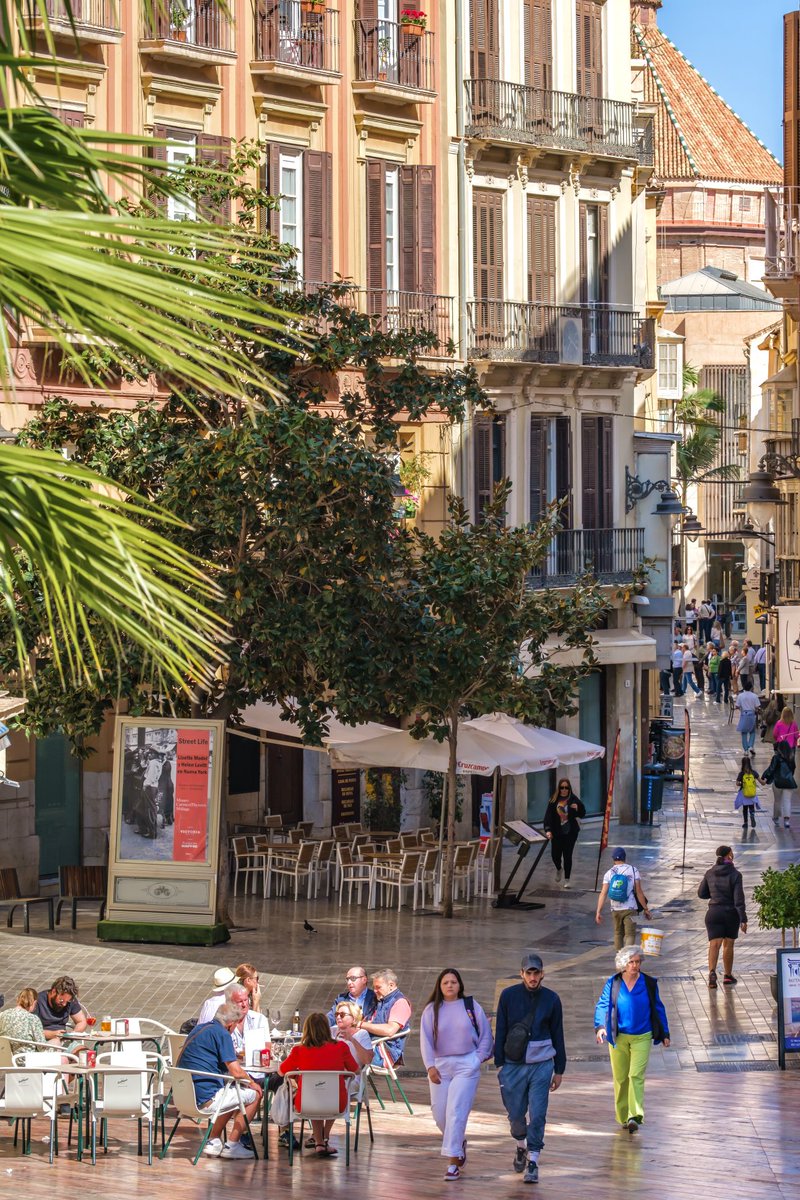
(280, 1111)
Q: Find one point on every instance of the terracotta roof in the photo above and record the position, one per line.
(697, 135)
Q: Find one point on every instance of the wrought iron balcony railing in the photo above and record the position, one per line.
(286, 33)
(577, 334)
(511, 112)
(404, 312)
(200, 24)
(782, 228)
(389, 52)
(89, 18)
(610, 555)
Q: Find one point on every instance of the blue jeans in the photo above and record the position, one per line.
(748, 740)
(688, 682)
(525, 1092)
(713, 681)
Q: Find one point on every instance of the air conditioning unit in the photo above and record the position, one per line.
(570, 341)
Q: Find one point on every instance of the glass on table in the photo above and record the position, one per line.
(105, 1025)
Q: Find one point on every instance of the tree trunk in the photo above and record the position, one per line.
(452, 798)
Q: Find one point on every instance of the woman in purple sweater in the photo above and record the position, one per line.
(455, 1038)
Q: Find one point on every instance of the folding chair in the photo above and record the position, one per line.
(179, 1080)
(387, 1071)
(320, 1101)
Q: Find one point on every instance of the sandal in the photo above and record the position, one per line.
(452, 1172)
(326, 1151)
(712, 979)
(729, 979)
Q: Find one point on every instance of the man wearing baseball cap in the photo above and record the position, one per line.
(531, 1056)
(623, 885)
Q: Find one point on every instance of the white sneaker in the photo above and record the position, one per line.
(213, 1147)
(567, 885)
(559, 874)
(236, 1150)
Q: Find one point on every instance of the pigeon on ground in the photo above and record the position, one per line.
(308, 928)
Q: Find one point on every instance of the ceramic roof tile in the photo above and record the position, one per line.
(697, 135)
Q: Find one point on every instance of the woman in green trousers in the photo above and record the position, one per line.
(631, 1018)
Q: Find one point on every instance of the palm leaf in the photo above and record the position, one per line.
(89, 555)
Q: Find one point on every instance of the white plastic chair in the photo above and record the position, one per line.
(387, 1070)
(320, 1101)
(126, 1086)
(180, 1083)
(32, 1091)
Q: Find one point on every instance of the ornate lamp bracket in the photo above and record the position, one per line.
(637, 489)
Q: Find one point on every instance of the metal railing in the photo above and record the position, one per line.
(577, 334)
(387, 52)
(285, 33)
(646, 146)
(610, 555)
(87, 14)
(511, 112)
(405, 312)
(199, 23)
(788, 578)
(782, 229)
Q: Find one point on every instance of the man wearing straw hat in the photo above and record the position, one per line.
(623, 884)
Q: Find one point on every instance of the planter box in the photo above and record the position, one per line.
(413, 30)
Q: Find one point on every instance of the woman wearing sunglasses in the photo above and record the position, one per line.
(562, 825)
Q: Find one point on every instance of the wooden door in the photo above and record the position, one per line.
(285, 782)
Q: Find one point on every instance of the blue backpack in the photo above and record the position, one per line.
(620, 887)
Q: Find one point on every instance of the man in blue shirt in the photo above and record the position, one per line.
(357, 993)
(210, 1048)
(530, 1052)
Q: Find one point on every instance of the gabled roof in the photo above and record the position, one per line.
(697, 135)
(712, 289)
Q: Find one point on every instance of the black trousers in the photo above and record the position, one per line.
(562, 848)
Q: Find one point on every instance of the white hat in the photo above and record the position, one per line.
(223, 976)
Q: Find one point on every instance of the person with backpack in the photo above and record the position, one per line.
(631, 1018)
(780, 773)
(623, 886)
(455, 1038)
(747, 796)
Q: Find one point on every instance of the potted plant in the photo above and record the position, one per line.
(312, 6)
(178, 20)
(384, 56)
(778, 900)
(413, 21)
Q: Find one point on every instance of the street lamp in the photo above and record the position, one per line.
(669, 505)
(691, 526)
(761, 495)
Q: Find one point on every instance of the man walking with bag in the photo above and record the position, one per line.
(623, 885)
(530, 1054)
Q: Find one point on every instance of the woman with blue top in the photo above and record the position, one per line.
(631, 1018)
(455, 1038)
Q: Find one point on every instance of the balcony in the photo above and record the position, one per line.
(392, 62)
(296, 45)
(404, 312)
(610, 555)
(512, 113)
(782, 251)
(193, 31)
(788, 579)
(571, 335)
(95, 21)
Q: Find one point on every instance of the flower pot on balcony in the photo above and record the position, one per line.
(412, 30)
(177, 35)
(312, 6)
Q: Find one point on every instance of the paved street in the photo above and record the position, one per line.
(714, 1097)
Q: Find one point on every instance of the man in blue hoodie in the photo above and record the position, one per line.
(530, 1053)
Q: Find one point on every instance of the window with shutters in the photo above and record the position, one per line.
(185, 147)
(541, 259)
(791, 99)
(484, 39)
(597, 463)
(489, 431)
(668, 369)
(589, 48)
(538, 43)
(302, 182)
(594, 277)
(181, 154)
(74, 117)
(401, 232)
(391, 192)
(550, 476)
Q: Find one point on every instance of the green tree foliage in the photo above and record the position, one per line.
(697, 417)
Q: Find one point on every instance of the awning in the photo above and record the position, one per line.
(612, 647)
(786, 376)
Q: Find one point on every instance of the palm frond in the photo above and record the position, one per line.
(114, 280)
(89, 554)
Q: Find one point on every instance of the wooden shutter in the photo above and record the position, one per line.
(484, 39)
(588, 48)
(590, 462)
(317, 216)
(563, 450)
(538, 43)
(426, 210)
(606, 509)
(538, 467)
(376, 235)
(602, 254)
(583, 253)
(159, 153)
(483, 462)
(213, 151)
(487, 222)
(75, 120)
(368, 9)
(272, 185)
(791, 99)
(541, 222)
(408, 221)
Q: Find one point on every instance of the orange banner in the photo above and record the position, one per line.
(609, 795)
(192, 784)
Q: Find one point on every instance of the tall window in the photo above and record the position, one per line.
(550, 466)
(401, 231)
(597, 471)
(180, 154)
(184, 147)
(589, 48)
(303, 219)
(668, 372)
(490, 457)
(391, 194)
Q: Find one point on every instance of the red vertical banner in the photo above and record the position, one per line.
(192, 789)
(687, 738)
(609, 805)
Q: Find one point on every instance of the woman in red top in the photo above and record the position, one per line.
(319, 1052)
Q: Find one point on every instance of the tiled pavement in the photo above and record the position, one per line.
(302, 970)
